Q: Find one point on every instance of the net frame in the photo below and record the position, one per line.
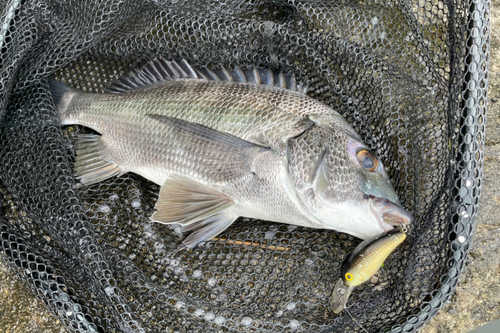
(49, 281)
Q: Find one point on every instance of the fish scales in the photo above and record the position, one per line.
(222, 149)
(241, 109)
(240, 112)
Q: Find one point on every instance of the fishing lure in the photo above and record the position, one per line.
(363, 263)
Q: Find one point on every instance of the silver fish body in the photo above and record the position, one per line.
(223, 149)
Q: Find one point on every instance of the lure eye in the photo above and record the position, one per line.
(367, 160)
(348, 276)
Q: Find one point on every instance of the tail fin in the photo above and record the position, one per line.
(62, 95)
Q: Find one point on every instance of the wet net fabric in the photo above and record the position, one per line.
(410, 76)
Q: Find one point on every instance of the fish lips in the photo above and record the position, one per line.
(389, 214)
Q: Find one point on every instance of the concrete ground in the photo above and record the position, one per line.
(20, 310)
(476, 300)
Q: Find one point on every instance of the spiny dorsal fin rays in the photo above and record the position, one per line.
(210, 75)
(185, 67)
(201, 75)
(160, 70)
(252, 75)
(280, 80)
(266, 77)
(239, 75)
(223, 74)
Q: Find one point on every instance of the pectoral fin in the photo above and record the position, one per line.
(224, 156)
(207, 228)
(195, 207)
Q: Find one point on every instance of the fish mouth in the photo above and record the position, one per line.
(389, 214)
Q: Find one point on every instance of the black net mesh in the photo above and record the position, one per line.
(410, 76)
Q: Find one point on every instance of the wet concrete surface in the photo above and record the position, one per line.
(476, 300)
(20, 310)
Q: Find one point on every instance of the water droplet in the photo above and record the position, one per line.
(209, 316)
(294, 324)
(212, 281)
(104, 208)
(247, 321)
(269, 234)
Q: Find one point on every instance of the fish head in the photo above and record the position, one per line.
(342, 184)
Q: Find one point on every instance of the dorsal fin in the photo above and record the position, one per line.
(160, 70)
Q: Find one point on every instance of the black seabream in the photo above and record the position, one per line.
(229, 143)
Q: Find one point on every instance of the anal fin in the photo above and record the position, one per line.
(195, 206)
(90, 167)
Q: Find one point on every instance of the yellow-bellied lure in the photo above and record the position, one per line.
(363, 263)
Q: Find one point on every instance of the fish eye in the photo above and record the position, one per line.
(348, 276)
(367, 160)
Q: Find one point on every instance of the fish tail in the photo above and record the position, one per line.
(62, 96)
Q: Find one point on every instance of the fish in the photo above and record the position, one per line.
(362, 263)
(228, 143)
